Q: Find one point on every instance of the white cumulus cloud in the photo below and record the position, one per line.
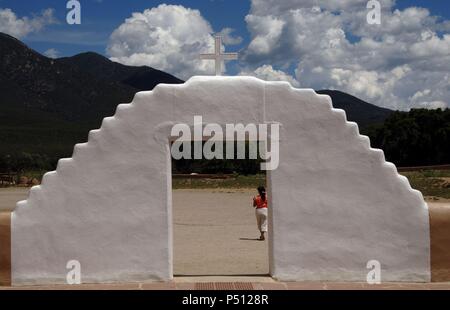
(11, 24)
(228, 37)
(268, 73)
(52, 53)
(400, 64)
(167, 37)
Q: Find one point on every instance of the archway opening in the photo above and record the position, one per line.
(215, 231)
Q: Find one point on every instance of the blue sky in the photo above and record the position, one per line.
(403, 63)
(100, 18)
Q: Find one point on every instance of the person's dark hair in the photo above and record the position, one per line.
(262, 192)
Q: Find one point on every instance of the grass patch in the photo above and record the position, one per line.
(235, 181)
(432, 183)
(435, 183)
(34, 174)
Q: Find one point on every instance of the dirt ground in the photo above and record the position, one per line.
(10, 196)
(214, 232)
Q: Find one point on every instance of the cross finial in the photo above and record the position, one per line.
(218, 56)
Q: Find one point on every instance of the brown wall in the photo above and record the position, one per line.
(440, 243)
(5, 249)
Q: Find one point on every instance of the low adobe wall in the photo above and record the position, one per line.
(440, 242)
(5, 248)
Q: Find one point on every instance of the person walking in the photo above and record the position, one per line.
(260, 205)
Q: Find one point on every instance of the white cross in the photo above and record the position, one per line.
(218, 56)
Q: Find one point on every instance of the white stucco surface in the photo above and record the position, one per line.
(335, 203)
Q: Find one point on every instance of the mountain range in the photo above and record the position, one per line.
(48, 105)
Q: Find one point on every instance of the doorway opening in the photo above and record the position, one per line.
(215, 230)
